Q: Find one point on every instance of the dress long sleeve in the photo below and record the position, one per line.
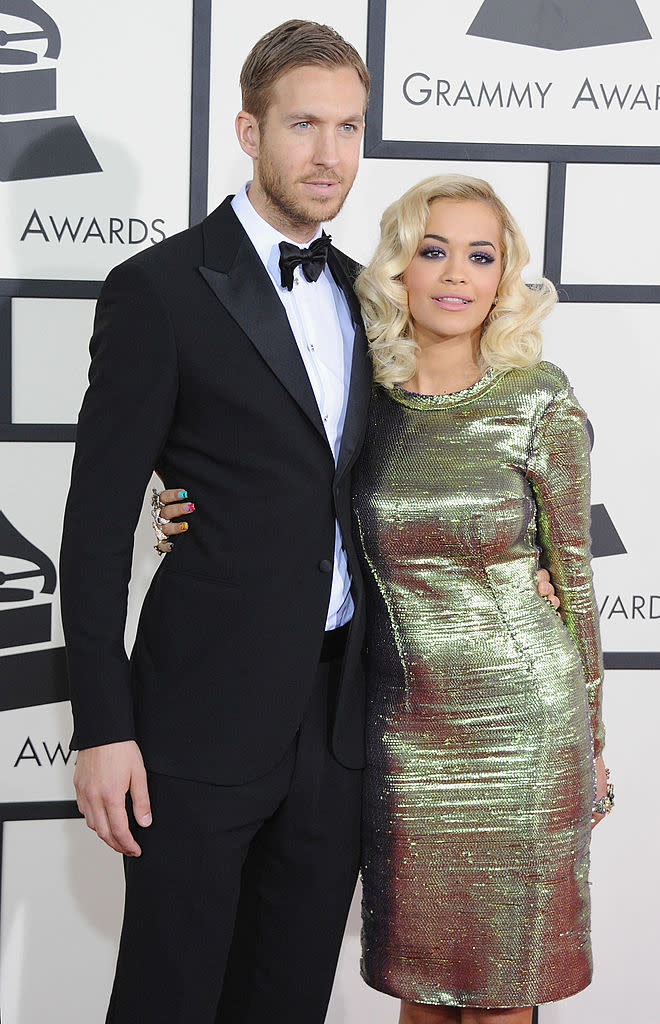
(559, 472)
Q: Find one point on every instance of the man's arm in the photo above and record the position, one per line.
(123, 425)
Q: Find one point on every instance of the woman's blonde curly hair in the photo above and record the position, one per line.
(511, 332)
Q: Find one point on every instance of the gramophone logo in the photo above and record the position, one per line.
(27, 581)
(33, 146)
(562, 24)
(605, 539)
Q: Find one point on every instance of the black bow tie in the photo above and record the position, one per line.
(311, 260)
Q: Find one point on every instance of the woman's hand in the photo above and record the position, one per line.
(601, 788)
(172, 507)
(545, 587)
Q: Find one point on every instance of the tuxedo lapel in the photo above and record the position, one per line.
(241, 283)
(361, 372)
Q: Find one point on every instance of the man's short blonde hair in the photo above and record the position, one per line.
(293, 44)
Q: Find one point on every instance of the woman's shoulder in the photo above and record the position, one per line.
(547, 381)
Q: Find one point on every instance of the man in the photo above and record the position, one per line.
(237, 729)
(244, 697)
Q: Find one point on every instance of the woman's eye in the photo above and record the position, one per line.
(482, 257)
(432, 252)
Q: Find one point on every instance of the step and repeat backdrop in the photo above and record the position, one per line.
(116, 130)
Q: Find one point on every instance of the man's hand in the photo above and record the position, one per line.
(546, 588)
(103, 777)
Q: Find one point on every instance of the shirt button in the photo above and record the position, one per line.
(325, 565)
(326, 418)
(311, 348)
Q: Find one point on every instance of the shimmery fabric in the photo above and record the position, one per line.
(484, 705)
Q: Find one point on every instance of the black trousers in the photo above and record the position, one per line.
(236, 909)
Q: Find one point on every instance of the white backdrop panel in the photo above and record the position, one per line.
(612, 217)
(50, 358)
(62, 897)
(35, 759)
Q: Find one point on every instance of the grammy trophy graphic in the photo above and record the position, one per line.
(35, 147)
(25, 617)
(562, 24)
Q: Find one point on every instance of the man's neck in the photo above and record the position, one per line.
(297, 232)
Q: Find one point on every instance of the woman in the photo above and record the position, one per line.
(484, 720)
(484, 727)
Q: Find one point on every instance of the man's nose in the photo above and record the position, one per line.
(326, 152)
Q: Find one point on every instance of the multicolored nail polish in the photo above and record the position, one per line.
(183, 526)
(190, 507)
(183, 494)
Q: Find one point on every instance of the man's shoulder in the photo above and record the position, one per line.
(175, 252)
(178, 252)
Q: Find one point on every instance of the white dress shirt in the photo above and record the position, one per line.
(321, 323)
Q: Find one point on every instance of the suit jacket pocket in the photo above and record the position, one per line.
(224, 574)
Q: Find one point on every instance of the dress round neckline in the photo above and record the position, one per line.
(415, 400)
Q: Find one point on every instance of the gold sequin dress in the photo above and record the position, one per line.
(484, 704)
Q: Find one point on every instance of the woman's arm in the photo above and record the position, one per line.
(559, 473)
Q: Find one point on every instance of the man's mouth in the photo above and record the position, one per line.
(322, 184)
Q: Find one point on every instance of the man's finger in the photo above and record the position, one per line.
(119, 832)
(140, 798)
(102, 828)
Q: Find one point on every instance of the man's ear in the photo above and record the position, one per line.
(247, 132)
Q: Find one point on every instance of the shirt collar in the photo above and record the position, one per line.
(264, 237)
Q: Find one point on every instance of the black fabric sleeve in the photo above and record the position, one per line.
(122, 427)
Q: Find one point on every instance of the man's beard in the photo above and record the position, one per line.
(287, 205)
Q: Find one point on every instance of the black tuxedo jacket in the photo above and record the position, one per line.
(195, 371)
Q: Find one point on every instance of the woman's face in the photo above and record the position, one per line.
(452, 279)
